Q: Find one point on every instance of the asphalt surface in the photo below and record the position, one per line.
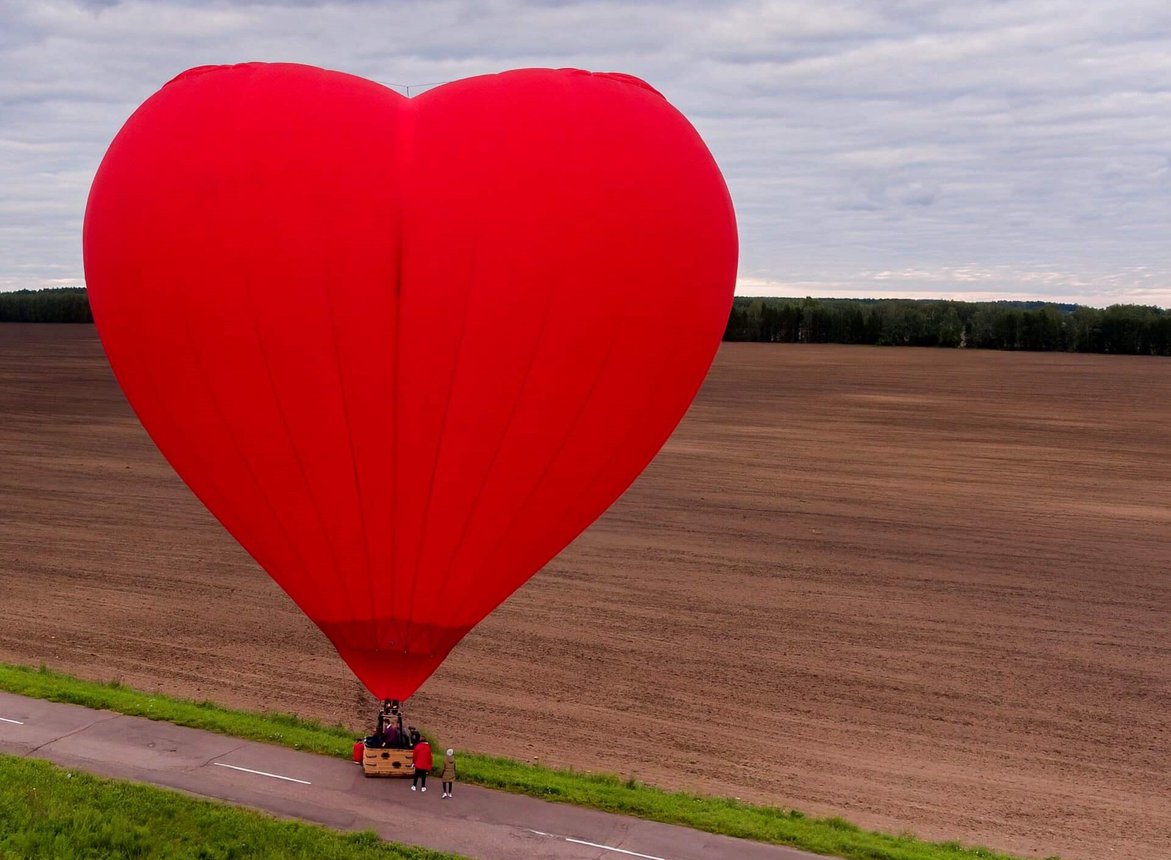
(477, 822)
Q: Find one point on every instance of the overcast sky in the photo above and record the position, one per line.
(971, 149)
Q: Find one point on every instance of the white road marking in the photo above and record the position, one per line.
(262, 773)
(14, 722)
(596, 845)
(608, 848)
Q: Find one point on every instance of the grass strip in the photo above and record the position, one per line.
(832, 836)
(51, 812)
(281, 729)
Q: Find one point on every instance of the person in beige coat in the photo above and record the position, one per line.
(448, 774)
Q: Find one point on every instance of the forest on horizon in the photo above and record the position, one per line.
(1007, 325)
(1010, 325)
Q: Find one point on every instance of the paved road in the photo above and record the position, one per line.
(477, 822)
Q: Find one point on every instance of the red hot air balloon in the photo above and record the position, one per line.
(405, 350)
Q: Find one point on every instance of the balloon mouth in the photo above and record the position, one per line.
(392, 658)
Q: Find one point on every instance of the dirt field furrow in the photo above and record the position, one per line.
(926, 590)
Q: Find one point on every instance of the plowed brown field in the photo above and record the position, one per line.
(927, 590)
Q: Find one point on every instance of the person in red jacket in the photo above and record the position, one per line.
(422, 761)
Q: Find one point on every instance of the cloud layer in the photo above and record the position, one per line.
(997, 149)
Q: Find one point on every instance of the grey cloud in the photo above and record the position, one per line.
(1028, 139)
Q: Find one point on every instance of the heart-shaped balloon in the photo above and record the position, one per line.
(405, 350)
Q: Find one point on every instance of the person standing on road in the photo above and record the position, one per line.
(448, 774)
(422, 760)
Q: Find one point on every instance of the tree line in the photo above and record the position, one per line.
(1036, 326)
(60, 305)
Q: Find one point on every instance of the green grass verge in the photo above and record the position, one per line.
(49, 812)
(281, 729)
(832, 836)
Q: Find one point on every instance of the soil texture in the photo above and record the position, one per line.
(926, 590)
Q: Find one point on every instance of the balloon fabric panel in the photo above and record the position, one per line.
(406, 350)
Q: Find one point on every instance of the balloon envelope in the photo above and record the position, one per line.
(405, 350)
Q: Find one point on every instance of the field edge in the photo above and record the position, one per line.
(608, 793)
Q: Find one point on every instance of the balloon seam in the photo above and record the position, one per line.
(442, 438)
(537, 344)
(316, 508)
(350, 441)
(603, 366)
(222, 415)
